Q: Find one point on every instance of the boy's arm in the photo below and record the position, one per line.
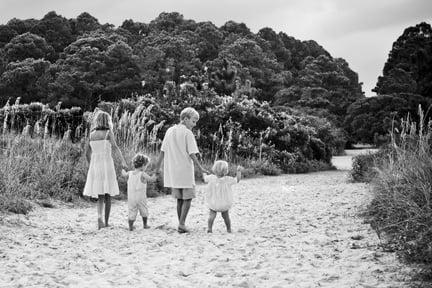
(197, 163)
(145, 177)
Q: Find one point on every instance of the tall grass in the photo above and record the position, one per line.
(37, 169)
(401, 209)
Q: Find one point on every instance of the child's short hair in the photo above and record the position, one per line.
(101, 121)
(188, 112)
(220, 167)
(140, 160)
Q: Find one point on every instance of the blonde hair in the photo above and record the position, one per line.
(101, 121)
(188, 112)
(220, 167)
(140, 160)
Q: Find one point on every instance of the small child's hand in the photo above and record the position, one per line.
(240, 168)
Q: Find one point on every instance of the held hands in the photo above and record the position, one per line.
(240, 168)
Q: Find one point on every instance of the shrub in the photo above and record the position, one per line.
(402, 207)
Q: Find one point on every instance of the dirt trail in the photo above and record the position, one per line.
(288, 231)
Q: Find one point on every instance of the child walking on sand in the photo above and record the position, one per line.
(179, 152)
(137, 189)
(219, 193)
(101, 180)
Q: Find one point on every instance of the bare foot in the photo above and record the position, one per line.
(100, 224)
(209, 231)
(229, 230)
(146, 226)
(182, 229)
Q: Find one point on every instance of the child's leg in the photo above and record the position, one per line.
(132, 213)
(212, 216)
(179, 208)
(145, 223)
(107, 208)
(100, 206)
(184, 212)
(131, 222)
(225, 216)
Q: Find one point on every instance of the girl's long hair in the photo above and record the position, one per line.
(101, 121)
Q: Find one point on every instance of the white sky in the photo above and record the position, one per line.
(360, 31)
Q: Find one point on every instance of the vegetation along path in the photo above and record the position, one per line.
(289, 231)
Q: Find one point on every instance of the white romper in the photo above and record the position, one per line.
(137, 195)
(219, 194)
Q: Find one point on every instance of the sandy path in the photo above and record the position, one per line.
(289, 231)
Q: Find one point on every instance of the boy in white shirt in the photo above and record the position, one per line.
(179, 154)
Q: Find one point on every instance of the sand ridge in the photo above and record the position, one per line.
(288, 231)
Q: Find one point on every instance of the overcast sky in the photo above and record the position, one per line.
(360, 31)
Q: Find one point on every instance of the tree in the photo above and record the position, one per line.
(94, 68)
(21, 79)
(409, 66)
(56, 30)
(22, 26)
(371, 117)
(6, 34)
(84, 23)
(28, 45)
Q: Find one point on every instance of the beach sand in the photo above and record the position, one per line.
(288, 231)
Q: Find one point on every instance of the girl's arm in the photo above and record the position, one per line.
(159, 161)
(116, 148)
(239, 171)
(145, 177)
(124, 173)
(88, 151)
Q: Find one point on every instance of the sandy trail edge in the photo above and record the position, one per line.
(289, 231)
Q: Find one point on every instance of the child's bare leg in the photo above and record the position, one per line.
(212, 216)
(131, 222)
(107, 208)
(184, 212)
(179, 208)
(225, 216)
(145, 223)
(100, 206)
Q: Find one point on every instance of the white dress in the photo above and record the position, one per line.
(219, 194)
(101, 175)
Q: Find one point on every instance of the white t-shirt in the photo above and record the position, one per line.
(178, 143)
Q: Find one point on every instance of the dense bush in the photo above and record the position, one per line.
(402, 208)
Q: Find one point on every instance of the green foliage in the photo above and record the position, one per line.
(370, 120)
(94, 63)
(409, 65)
(27, 45)
(401, 209)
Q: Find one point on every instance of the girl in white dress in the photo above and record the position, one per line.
(137, 189)
(219, 193)
(101, 177)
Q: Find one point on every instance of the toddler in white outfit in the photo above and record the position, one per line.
(219, 193)
(137, 189)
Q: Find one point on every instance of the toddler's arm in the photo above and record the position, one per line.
(124, 173)
(145, 177)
